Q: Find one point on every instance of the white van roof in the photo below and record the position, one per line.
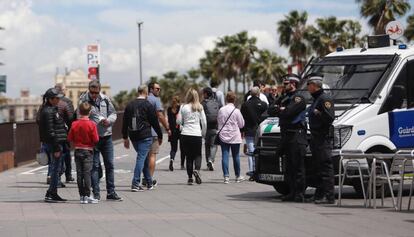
(376, 51)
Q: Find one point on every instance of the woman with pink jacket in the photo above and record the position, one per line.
(230, 121)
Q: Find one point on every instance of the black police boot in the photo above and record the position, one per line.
(325, 200)
(299, 198)
(288, 198)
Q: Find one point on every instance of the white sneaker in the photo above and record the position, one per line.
(226, 180)
(91, 200)
(239, 179)
(83, 200)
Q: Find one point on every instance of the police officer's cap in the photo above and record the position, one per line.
(315, 78)
(291, 78)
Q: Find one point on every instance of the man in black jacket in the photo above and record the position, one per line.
(321, 115)
(252, 111)
(53, 136)
(139, 117)
(291, 113)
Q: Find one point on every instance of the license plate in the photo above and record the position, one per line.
(271, 177)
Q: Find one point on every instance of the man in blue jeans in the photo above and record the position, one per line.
(139, 117)
(104, 115)
(252, 111)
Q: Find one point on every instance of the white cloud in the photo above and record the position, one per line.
(172, 40)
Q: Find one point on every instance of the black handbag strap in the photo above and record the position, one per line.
(226, 121)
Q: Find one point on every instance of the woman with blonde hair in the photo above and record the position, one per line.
(192, 120)
(172, 113)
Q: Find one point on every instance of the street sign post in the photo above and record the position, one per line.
(93, 61)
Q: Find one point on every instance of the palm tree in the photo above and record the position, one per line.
(242, 52)
(194, 74)
(268, 66)
(225, 60)
(171, 75)
(351, 35)
(409, 32)
(291, 33)
(211, 66)
(380, 12)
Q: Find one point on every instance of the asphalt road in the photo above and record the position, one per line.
(176, 209)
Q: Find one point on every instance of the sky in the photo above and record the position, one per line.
(43, 35)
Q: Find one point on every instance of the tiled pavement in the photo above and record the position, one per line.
(176, 209)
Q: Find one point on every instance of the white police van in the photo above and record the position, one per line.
(373, 92)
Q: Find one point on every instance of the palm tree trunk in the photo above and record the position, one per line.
(378, 28)
(244, 83)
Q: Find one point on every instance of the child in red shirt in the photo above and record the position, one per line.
(84, 136)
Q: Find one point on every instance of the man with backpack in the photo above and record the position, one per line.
(139, 118)
(211, 107)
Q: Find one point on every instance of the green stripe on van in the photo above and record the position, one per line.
(268, 128)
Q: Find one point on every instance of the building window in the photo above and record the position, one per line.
(26, 114)
(71, 95)
(12, 115)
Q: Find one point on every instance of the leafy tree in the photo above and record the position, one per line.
(268, 66)
(409, 32)
(380, 12)
(291, 34)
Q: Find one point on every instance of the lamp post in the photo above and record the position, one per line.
(139, 24)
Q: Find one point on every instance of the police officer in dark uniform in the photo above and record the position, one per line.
(321, 115)
(291, 113)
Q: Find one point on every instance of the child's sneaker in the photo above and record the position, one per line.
(226, 180)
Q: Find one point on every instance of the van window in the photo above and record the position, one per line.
(401, 95)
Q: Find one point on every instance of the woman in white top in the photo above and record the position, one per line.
(192, 120)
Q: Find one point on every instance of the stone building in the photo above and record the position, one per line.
(20, 109)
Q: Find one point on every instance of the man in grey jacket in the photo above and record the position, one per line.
(104, 115)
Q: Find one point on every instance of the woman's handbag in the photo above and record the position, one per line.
(42, 157)
(217, 140)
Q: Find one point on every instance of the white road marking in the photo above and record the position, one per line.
(33, 170)
(122, 156)
(118, 157)
(162, 159)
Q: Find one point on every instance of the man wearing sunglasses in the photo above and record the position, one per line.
(104, 115)
(154, 99)
(291, 113)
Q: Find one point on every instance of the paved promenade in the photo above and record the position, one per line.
(176, 209)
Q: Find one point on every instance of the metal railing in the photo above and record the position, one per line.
(23, 138)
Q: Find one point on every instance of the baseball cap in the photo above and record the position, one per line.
(52, 93)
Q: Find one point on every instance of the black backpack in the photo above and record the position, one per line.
(211, 108)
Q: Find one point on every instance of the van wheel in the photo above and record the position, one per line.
(281, 188)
